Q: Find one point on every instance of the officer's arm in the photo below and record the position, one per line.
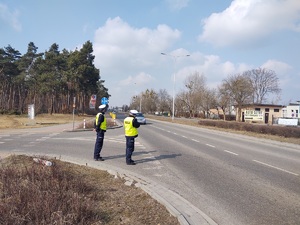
(135, 123)
(101, 119)
(95, 125)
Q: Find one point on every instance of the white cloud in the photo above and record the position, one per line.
(11, 18)
(282, 71)
(126, 55)
(248, 22)
(118, 43)
(212, 67)
(277, 66)
(140, 79)
(177, 4)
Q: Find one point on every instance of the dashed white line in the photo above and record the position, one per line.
(41, 139)
(210, 145)
(195, 140)
(4, 135)
(230, 152)
(275, 167)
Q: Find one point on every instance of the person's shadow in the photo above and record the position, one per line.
(144, 160)
(155, 158)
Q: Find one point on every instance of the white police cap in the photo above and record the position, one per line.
(102, 106)
(133, 112)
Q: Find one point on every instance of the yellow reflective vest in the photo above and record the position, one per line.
(103, 124)
(130, 130)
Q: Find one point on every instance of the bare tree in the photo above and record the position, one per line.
(196, 85)
(264, 82)
(135, 102)
(164, 101)
(223, 100)
(181, 104)
(148, 101)
(239, 87)
(209, 101)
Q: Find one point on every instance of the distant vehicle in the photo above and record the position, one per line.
(140, 118)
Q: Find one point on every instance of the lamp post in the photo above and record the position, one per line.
(174, 80)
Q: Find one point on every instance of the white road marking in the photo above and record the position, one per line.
(195, 140)
(231, 152)
(183, 136)
(2, 142)
(75, 138)
(53, 134)
(153, 168)
(210, 145)
(275, 167)
(4, 135)
(157, 175)
(41, 139)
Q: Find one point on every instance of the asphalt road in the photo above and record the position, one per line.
(234, 179)
(231, 178)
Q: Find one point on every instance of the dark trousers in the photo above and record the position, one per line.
(98, 144)
(129, 148)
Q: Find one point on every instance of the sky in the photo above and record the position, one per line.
(221, 37)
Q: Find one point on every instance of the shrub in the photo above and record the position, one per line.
(291, 132)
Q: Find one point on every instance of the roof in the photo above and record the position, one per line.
(261, 105)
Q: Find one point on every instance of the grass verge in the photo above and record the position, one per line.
(64, 193)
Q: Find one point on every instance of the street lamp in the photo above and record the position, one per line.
(175, 59)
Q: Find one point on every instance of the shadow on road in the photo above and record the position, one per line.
(137, 153)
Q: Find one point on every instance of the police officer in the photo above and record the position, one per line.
(100, 128)
(131, 132)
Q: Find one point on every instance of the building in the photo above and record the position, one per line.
(290, 115)
(261, 113)
(292, 110)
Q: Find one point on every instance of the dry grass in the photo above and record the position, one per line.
(64, 193)
(22, 121)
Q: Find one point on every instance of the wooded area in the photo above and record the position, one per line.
(50, 80)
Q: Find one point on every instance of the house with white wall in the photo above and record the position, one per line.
(293, 110)
(290, 115)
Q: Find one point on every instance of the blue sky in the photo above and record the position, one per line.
(222, 38)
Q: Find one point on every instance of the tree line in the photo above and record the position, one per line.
(54, 81)
(197, 99)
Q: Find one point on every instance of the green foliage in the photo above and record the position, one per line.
(50, 80)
